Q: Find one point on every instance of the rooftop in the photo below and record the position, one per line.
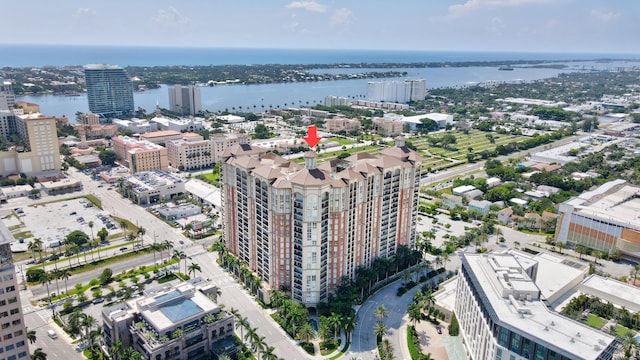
(613, 201)
(511, 294)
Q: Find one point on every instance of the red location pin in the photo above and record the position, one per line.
(312, 137)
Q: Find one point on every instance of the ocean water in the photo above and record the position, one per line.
(60, 55)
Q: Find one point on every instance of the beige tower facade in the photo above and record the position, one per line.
(305, 227)
(13, 332)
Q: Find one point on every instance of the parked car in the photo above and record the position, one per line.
(98, 300)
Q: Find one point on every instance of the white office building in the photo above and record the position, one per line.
(503, 313)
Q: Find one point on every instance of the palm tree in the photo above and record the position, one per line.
(65, 274)
(45, 279)
(415, 313)
(386, 349)
(123, 226)
(381, 313)
(91, 241)
(141, 232)
(34, 245)
(88, 322)
(116, 349)
(38, 354)
(379, 330)
(155, 248)
(166, 245)
(180, 255)
(349, 323)
(250, 335)
(335, 321)
(267, 353)
(306, 333)
(55, 275)
(31, 336)
(193, 268)
(257, 344)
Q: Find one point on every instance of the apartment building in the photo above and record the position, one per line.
(89, 118)
(504, 315)
(12, 328)
(194, 152)
(185, 100)
(7, 97)
(388, 126)
(140, 155)
(397, 91)
(304, 228)
(171, 322)
(604, 219)
(38, 154)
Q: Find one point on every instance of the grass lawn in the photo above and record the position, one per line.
(340, 141)
(621, 330)
(595, 321)
(328, 346)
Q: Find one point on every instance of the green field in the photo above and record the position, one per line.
(340, 141)
(595, 321)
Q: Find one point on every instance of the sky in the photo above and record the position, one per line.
(588, 26)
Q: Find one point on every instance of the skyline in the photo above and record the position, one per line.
(596, 26)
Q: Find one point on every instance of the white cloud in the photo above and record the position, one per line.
(605, 16)
(470, 5)
(341, 16)
(307, 5)
(170, 17)
(80, 12)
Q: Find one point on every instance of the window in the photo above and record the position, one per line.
(9, 347)
(7, 337)
(14, 311)
(13, 300)
(10, 288)
(22, 354)
(20, 344)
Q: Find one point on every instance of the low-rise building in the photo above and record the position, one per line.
(140, 155)
(136, 126)
(460, 190)
(480, 205)
(340, 123)
(450, 201)
(63, 186)
(171, 322)
(504, 215)
(180, 125)
(388, 126)
(179, 211)
(152, 186)
(28, 107)
(604, 219)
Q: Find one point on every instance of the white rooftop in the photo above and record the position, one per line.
(504, 281)
(617, 292)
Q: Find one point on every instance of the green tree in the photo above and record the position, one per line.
(306, 333)
(38, 354)
(108, 157)
(454, 327)
(193, 268)
(106, 276)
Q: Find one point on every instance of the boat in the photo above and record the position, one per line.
(506, 68)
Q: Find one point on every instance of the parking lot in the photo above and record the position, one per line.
(52, 222)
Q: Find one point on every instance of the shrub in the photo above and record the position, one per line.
(454, 327)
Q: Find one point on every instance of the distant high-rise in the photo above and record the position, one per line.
(397, 91)
(13, 332)
(109, 90)
(185, 100)
(7, 97)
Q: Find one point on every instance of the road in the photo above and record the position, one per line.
(363, 340)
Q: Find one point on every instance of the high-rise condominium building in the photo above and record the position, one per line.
(109, 90)
(303, 228)
(397, 91)
(504, 315)
(185, 100)
(12, 328)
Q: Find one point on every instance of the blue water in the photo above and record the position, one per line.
(258, 97)
(60, 55)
